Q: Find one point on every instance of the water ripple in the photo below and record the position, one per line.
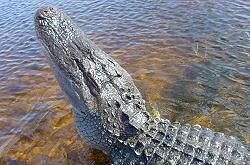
(190, 60)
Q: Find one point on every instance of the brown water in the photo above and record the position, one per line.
(190, 59)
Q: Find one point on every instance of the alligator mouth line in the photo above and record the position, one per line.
(109, 111)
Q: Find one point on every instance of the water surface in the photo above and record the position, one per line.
(190, 59)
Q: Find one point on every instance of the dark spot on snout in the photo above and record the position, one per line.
(117, 104)
(137, 106)
(128, 97)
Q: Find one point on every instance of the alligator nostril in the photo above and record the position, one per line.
(40, 17)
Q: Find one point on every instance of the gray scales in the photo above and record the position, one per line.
(109, 111)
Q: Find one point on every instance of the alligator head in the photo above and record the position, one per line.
(107, 104)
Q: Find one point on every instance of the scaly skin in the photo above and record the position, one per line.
(109, 111)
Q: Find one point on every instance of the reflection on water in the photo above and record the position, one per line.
(190, 60)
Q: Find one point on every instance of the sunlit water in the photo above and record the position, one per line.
(190, 59)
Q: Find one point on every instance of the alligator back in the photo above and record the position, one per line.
(161, 142)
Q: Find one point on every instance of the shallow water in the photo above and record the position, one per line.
(190, 59)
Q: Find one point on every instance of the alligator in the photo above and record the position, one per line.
(109, 111)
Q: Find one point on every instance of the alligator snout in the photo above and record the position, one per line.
(46, 13)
